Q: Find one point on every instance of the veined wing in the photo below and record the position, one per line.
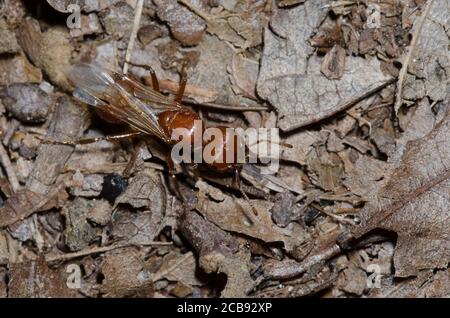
(126, 99)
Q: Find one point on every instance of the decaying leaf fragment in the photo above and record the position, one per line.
(141, 227)
(41, 192)
(232, 214)
(415, 204)
(24, 203)
(145, 191)
(290, 78)
(86, 6)
(34, 279)
(177, 267)
(333, 64)
(8, 41)
(50, 50)
(68, 123)
(219, 252)
(79, 232)
(18, 70)
(125, 274)
(242, 27)
(185, 26)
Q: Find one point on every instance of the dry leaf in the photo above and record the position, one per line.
(8, 41)
(231, 214)
(333, 64)
(426, 285)
(365, 176)
(78, 232)
(4, 252)
(426, 65)
(51, 50)
(219, 252)
(140, 227)
(177, 267)
(125, 274)
(290, 78)
(243, 76)
(145, 191)
(34, 279)
(24, 203)
(302, 144)
(211, 69)
(185, 26)
(68, 123)
(18, 70)
(415, 204)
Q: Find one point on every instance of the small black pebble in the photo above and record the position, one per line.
(310, 215)
(113, 186)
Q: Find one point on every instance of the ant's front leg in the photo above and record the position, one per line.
(155, 83)
(85, 141)
(182, 84)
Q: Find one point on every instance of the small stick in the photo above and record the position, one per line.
(338, 218)
(14, 125)
(404, 69)
(290, 268)
(96, 250)
(202, 15)
(6, 163)
(137, 21)
(110, 167)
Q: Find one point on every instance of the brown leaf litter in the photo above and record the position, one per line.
(358, 207)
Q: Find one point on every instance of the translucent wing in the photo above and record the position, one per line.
(126, 99)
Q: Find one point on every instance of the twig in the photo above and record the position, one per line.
(337, 218)
(404, 69)
(290, 268)
(110, 167)
(14, 125)
(96, 250)
(202, 15)
(137, 21)
(6, 163)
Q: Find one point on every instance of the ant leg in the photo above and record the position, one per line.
(182, 84)
(132, 163)
(237, 183)
(171, 166)
(155, 83)
(85, 141)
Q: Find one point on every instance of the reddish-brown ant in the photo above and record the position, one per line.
(118, 98)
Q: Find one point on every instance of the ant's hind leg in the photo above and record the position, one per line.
(85, 141)
(155, 83)
(134, 160)
(171, 166)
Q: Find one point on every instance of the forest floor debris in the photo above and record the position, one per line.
(359, 205)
